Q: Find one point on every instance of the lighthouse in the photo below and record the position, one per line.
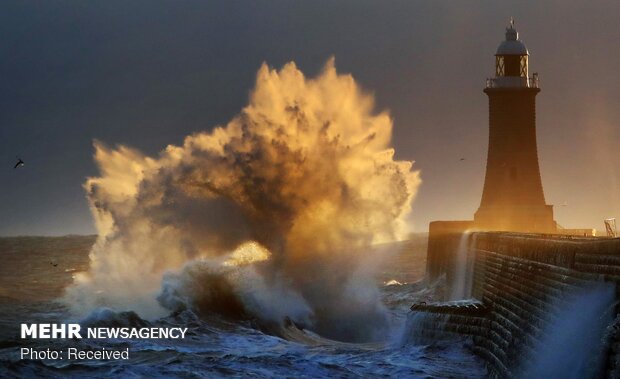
(513, 197)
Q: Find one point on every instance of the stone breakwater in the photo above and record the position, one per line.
(530, 292)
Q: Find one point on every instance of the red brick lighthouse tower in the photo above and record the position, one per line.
(513, 198)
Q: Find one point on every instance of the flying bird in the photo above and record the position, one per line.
(54, 264)
(462, 159)
(19, 163)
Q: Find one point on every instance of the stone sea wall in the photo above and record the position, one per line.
(528, 284)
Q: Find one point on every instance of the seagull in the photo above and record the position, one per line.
(54, 264)
(462, 159)
(19, 163)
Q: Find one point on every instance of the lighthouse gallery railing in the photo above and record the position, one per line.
(512, 82)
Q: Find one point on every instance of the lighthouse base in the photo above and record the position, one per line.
(524, 219)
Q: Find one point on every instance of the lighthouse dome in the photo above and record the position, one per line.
(512, 45)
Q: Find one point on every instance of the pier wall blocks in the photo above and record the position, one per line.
(523, 279)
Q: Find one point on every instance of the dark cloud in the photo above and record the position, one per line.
(148, 73)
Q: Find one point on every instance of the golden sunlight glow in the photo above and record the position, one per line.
(247, 253)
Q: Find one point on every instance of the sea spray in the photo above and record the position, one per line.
(461, 285)
(469, 273)
(305, 171)
(572, 347)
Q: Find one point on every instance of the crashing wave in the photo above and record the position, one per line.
(269, 216)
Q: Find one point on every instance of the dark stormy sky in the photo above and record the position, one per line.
(147, 73)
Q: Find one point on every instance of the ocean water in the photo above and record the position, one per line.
(35, 271)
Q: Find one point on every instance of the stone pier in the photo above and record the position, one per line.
(522, 281)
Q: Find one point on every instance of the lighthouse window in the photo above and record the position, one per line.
(499, 66)
(512, 65)
(524, 66)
